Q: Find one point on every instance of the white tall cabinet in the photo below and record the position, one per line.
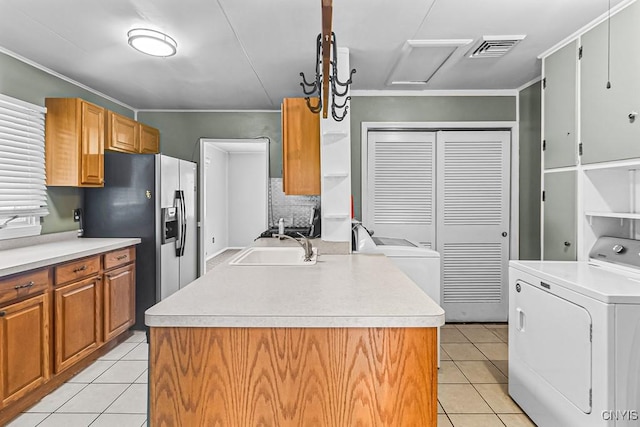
(598, 193)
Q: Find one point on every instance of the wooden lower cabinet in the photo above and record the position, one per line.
(24, 353)
(290, 377)
(77, 318)
(119, 300)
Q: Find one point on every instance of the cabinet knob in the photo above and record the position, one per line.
(567, 244)
(3, 313)
(632, 116)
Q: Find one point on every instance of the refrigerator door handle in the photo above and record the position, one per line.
(178, 203)
(184, 223)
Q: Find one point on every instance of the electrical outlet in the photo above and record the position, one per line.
(213, 240)
(76, 214)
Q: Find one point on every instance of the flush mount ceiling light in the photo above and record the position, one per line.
(152, 42)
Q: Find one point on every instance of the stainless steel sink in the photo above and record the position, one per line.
(273, 256)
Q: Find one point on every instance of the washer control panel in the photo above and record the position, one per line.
(617, 251)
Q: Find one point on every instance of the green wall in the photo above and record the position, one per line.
(530, 134)
(181, 131)
(419, 109)
(25, 82)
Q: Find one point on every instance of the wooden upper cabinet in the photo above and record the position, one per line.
(74, 143)
(122, 134)
(128, 136)
(149, 139)
(300, 148)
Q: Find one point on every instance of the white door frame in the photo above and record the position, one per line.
(514, 211)
(202, 262)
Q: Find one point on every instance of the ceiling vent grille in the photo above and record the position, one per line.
(494, 46)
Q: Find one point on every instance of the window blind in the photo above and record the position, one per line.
(23, 191)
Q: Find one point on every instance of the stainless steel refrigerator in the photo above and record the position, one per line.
(153, 197)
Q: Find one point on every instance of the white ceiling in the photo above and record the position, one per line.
(247, 54)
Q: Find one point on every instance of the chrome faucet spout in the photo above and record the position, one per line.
(305, 244)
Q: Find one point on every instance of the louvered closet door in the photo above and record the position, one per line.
(401, 185)
(473, 214)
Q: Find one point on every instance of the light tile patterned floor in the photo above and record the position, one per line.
(113, 390)
(472, 380)
(110, 392)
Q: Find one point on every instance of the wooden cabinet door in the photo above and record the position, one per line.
(560, 216)
(92, 144)
(300, 148)
(607, 131)
(149, 139)
(119, 300)
(122, 134)
(560, 108)
(24, 353)
(77, 321)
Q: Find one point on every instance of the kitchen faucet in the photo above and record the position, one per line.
(305, 244)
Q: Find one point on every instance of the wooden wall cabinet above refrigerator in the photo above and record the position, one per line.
(74, 143)
(300, 148)
(128, 136)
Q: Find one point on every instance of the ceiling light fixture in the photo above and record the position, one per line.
(152, 42)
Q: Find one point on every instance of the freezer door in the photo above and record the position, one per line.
(189, 259)
(169, 267)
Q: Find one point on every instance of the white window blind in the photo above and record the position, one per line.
(23, 192)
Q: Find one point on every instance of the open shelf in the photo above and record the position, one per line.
(334, 135)
(629, 165)
(336, 216)
(336, 175)
(620, 215)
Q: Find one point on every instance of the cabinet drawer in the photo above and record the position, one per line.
(119, 257)
(77, 269)
(23, 284)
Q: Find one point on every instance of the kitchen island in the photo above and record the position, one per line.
(348, 341)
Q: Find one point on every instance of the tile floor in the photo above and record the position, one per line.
(472, 380)
(110, 392)
(113, 390)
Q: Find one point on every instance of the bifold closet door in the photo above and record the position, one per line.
(400, 189)
(473, 223)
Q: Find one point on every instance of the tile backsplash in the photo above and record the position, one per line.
(296, 210)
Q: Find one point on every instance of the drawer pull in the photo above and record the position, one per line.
(121, 257)
(79, 269)
(3, 313)
(26, 285)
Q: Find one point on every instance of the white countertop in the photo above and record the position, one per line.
(30, 257)
(609, 285)
(338, 291)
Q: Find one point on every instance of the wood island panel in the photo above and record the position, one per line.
(293, 377)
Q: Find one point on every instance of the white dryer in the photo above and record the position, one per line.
(574, 337)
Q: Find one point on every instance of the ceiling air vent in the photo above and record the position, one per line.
(494, 46)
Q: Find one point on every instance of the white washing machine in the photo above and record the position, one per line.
(421, 264)
(574, 337)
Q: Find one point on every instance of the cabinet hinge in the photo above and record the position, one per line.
(580, 52)
(590, 397)
(543, 195)
(544, 83)
(591, 333)
(544, 144)
(580, 149)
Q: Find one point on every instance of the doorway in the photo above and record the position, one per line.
(448, 190)
(234, 184)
